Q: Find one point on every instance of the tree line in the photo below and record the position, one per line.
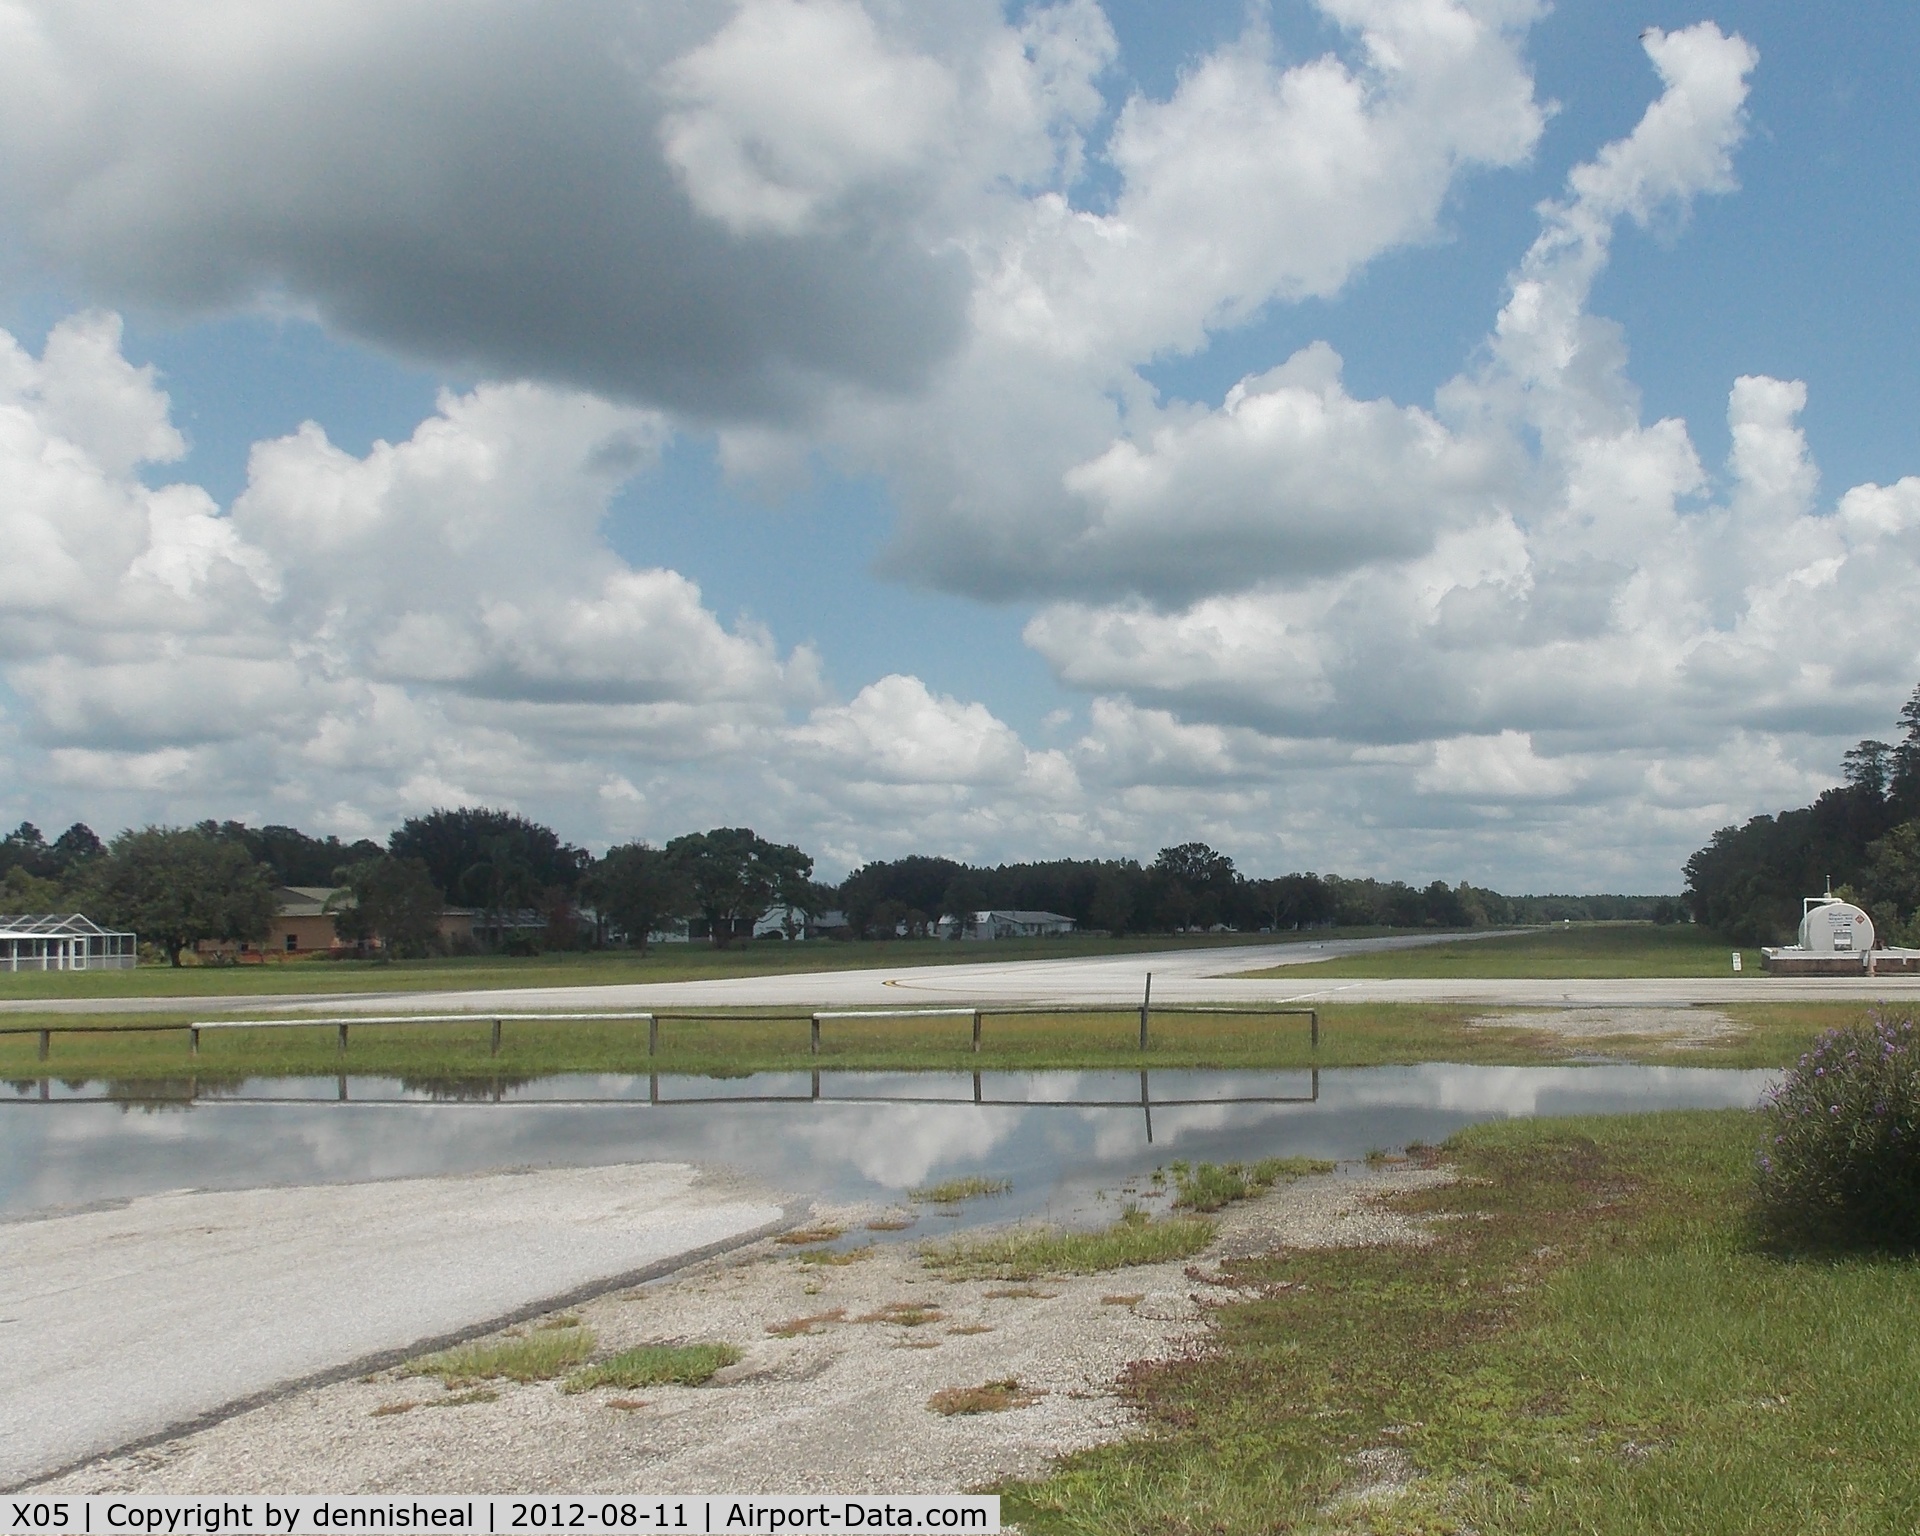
(179, 886)
(1863, 836)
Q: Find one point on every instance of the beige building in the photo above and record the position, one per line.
(303, 925)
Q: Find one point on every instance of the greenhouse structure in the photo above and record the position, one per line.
(52, 941)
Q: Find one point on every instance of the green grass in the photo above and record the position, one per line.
(1027, 1253)
(953, 1191)
(665, 962)
(1352, 1035)
(653, 1365)
(540, 1356)
(1580, 951)
(1214, 1186)
(1593, 1343)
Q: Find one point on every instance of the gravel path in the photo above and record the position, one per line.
(838, 1404)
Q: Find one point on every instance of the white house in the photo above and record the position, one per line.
(781, 921)
(1005, 925)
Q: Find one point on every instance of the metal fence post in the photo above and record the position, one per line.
(1313, 1014)
(193, 1039)
(976, 1031)
(1146, 1001)
(46, 1043)
(343, 1037)
(816, 1038)
(653, 1034)
(496, 1037)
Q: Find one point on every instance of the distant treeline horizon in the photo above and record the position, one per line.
(468, 852)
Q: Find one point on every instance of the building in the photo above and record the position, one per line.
(51, 941)
(303, 925)
(782, 921)
(302, 921)
(1005, 925)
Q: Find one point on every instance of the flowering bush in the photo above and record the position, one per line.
(1841, 1162)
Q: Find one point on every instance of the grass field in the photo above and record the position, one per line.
(665, 962)
(1357, 1035)
(1591, 1344)
(1581, 951)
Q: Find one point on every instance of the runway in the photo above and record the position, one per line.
(1179, 976)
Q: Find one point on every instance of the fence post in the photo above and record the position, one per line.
(653, 1034)
(496, 1037)
(193, 1039)
(976, 1087)
(1146, 1001)
(815, 1044)
(343, 1037)
(1313, 1014)
(46, 1043)
(976, 1035)
(816, 1082)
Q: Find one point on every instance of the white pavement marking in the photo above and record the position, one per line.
(121, 1323)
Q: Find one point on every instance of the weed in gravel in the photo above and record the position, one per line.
(953, 1191)
(908, 1314)
(539, 1358)
(564, 1320)
(891, 1223)
(800, 1236)
(652, 1365)
(1019, 1293)
(388, 1410)
(1212, 1186)
(964, 1328)
(835, 1260)
(992, 1397)
(1026, 1253)
(799, 1327)
(1131, 1299)
(626, 1404)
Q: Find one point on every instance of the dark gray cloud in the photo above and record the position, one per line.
(482, 188)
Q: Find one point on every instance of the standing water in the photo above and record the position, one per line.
(1062, 1138)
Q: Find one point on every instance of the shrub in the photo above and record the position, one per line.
(1841, 1161)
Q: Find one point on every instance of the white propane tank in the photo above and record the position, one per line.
(1830, 926)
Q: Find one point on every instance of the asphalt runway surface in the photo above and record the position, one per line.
(1179, 976)
(124, 1323)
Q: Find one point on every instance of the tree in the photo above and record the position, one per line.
(733, 875)
(1867, 767)
(392, 900)
(638, 888)
(294, 857)
(1113, 892)
(453, 844)
(178, 886)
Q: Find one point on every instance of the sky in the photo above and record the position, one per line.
(1457, 439)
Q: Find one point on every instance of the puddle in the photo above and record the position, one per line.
(1068, 1141)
